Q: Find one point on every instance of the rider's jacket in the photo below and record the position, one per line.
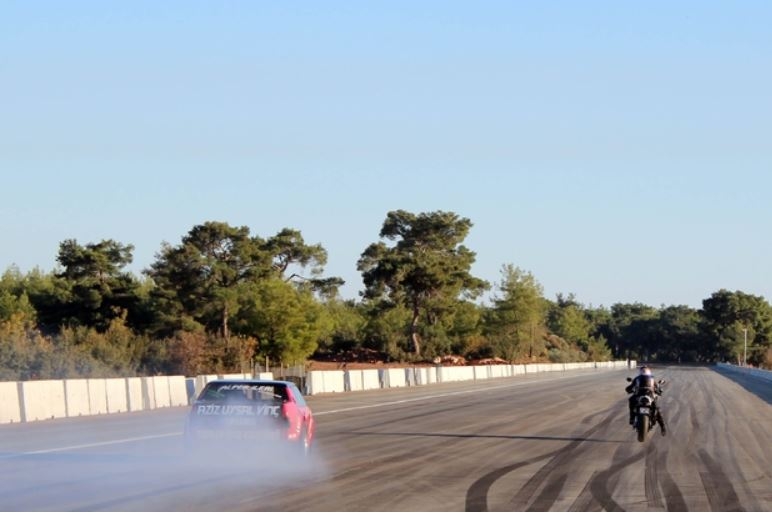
(642, 385)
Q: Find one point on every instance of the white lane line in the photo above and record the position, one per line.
(427, 397)
(86, 446)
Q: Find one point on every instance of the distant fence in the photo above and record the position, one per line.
(293, 373)
(27, 401)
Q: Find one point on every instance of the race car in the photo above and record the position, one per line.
(250, 410)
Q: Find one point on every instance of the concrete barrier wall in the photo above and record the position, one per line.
(408, 376)
(333, 381)
(134, 397)
(97, 396)
(39, 400)
(162, 396)
(353, 381)
(393, 378)
(10, 409)
(314, 383)
(319, 382)
(178, 391)
(42, 400)
(499, 371)
(76, 397)
(450, 374)
(117, 401)
(445, 375)
(190, 389)
(758, 373)
(370, 379)
(480, 372)
(148, 394)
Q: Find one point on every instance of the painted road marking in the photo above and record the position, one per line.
(86, 446)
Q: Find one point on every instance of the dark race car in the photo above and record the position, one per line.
(249, 412)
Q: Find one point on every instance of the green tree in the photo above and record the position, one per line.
(515, 321)
(47, 294)
(387, 329)
(630, 331)
(427, 268)
(731, 316)
(93, 287)
(202, 278)
(348, 324)
(566, 318)
(677, 336)
(290, 253)
(14, 301)
(22, 348)
(465, 332)
(287, 322)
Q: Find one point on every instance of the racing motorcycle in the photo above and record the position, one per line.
(646, 408)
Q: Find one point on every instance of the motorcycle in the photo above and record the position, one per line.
(646, 408)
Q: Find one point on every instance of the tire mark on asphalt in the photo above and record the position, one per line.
(585, 501)
(650, 483)
(721, 494)
(674, 499)
(403, 457)
(656, 459)
(599, 485)
(477, 493)
(587, 496)
(445, 441)
(562, 458)
(549, 494)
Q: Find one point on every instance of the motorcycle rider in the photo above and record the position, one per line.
(644, 382)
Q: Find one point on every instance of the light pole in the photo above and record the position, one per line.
(745, 347)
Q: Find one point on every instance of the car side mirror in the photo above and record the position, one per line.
(629, 379)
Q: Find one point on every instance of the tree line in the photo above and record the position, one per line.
(223, 298)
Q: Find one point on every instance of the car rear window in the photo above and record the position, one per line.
(243, 392)
(297, 395)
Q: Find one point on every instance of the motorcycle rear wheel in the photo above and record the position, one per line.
(643, 427)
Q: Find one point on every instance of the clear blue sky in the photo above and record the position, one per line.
(620, 151)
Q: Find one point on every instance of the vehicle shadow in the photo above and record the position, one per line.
(757, 386)
(501, 437)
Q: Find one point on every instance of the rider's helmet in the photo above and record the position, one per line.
(645, 371)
